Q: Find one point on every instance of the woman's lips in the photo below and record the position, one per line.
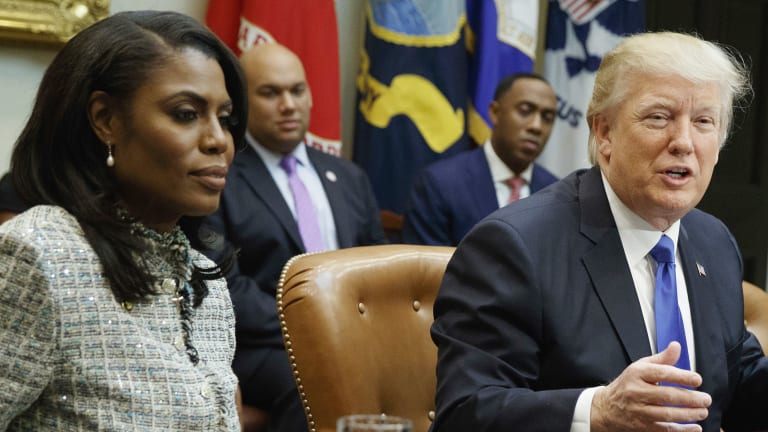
(214, 177)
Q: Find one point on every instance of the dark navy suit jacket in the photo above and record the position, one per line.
(538, 303)
(452, 195)
(254, 218)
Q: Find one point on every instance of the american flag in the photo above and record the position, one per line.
(582, 11)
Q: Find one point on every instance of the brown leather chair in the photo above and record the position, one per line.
(356, 327)
(756, 312)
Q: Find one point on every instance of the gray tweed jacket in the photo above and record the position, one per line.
(72, 359)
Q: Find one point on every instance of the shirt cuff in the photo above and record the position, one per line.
(583, 410)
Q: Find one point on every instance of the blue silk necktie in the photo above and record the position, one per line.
(669, 321)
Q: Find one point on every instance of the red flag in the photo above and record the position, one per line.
(306, 27)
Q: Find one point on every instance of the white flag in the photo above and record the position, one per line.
(579, 33)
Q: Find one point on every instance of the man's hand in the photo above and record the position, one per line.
(636, 402)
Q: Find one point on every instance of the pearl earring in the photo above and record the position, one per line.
(110, 158)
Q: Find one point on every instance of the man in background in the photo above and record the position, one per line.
(453, 194)
(282, 198)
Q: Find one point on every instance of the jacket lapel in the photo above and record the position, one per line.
(481, 186)
(257, 176)
(707, 331)
(608, 269)
(331, 181)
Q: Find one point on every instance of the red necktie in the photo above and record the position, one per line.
(515, 184)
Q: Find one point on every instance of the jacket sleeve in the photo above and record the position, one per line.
(426, 219)
(489, 330)
(27, 327)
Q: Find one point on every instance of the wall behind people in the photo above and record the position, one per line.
(22, 67)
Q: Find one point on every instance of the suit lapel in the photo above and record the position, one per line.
(481, 185)
(536, 180)
(256, 175)
(707, 332)
(608, 269)
(333, 190)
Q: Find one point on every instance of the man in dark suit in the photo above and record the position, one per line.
(559, 312)
(452, 195)
(258, 218)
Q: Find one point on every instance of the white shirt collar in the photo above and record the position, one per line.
(637, 236)
(500, 172)
(272, 158)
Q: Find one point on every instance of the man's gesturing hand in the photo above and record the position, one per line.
(636, 402)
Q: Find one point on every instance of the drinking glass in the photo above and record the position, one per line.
(373, 423)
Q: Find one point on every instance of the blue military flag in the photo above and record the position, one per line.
(501, 39)
(412, 88)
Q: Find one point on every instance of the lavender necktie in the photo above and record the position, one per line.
(669, 321)
(305, 210)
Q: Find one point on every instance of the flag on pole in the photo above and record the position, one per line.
(411, 92)
(579, 33)
(306, 27)
(501, 40)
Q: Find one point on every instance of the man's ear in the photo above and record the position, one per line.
(601, 128)
(102, 116)
(493, 112)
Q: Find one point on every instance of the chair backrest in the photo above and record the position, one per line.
(756, 312)
(356, 325)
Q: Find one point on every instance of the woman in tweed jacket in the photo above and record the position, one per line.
(108, 319)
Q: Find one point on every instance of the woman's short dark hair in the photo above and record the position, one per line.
(59, 160)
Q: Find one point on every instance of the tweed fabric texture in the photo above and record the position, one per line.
(72, 359)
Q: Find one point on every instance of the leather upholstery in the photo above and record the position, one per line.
(356, 325)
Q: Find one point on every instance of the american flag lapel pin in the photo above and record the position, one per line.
(700, 268)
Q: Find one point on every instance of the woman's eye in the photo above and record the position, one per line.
(185, 115)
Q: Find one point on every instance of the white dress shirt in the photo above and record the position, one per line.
(500, 173)
(308, 175)
(638, 237)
